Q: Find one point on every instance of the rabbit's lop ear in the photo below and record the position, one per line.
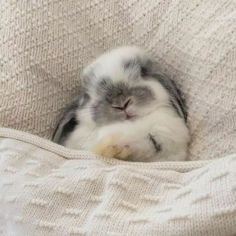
(69, 120)
(66, 124)
(176, 97)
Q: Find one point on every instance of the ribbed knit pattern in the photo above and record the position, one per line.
(47, 190)
(45, 44)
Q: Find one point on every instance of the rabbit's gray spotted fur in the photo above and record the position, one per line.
(127, 110)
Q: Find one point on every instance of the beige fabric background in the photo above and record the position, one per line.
(45, 44)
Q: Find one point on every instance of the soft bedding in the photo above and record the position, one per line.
(49, 190)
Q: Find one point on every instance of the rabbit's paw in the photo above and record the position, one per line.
(113, 147)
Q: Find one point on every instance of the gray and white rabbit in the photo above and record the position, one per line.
(126, 110)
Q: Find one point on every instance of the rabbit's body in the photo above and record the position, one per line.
(126, 111)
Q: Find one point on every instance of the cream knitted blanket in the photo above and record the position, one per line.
(49, 190)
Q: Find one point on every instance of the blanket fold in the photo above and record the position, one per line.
(47, 189)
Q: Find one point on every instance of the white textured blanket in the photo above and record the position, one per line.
(47, 189)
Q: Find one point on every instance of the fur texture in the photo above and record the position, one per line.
(127, 110)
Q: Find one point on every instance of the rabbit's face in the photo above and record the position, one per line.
(121, 87)
(121, 101)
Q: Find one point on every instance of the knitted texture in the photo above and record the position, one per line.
(45, 44)
(49, 190)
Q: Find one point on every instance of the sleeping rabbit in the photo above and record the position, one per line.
(126, 110)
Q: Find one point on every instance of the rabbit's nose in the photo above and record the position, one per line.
(124, 106)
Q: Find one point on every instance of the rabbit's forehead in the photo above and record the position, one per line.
(117, 72)
(124, 68)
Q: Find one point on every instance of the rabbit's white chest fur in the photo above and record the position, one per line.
(129, 139)
(127, 111)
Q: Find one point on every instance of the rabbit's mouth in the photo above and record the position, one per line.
(129, 116)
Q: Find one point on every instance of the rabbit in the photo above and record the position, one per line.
(126, 110)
